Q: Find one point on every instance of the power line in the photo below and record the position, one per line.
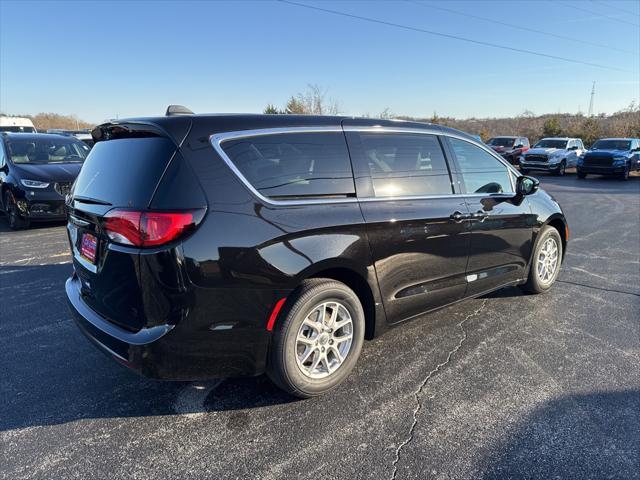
(586, 10)
(447, 35)
(637, 14)
(517, 27)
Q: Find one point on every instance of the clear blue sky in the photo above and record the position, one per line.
(102, 60)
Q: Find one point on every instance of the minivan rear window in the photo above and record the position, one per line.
(293, 165)
(124, 172)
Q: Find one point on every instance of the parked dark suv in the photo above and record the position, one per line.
(224, 245)
(36, 172)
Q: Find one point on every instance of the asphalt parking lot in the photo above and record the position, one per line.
(504, 386)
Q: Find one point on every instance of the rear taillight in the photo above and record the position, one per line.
(149, 229)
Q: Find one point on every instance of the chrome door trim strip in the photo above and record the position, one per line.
(216, 141)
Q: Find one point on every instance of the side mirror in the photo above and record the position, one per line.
(519, 146)
(572, 148)
(526, 185)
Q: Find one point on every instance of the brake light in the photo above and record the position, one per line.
(148, 229)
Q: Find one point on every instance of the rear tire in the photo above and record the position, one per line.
(309, 356)
(16, 222)
(545, 261)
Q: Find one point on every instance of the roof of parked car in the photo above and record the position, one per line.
(207, 124)
(619, 138)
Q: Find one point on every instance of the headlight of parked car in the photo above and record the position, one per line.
(617, 161)
(34, 184)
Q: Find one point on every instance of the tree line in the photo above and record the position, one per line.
(44, 121)
(625, 123)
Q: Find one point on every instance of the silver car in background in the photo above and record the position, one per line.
(554, 155)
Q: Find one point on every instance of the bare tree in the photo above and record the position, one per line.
(312, 101)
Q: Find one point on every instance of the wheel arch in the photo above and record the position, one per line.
(560, 224)
(359, 284)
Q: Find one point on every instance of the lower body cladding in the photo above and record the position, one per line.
(214, 342)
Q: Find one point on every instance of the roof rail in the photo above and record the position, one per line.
(177, 110)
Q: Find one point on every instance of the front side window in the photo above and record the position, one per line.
(506, 142)
(481, 172)
(612, 145)
(551, 143)
(405, 164)
(293, 165)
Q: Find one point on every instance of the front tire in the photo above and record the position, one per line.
(318, 339)
(524, 171)
(581, 174)
(561, 169)
(16, 222)
(625, 174)
(545, 261)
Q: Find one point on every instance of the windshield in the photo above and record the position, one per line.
(36, 149)
(501, 142)
(612, 145)
(16, 129)
(551, 143)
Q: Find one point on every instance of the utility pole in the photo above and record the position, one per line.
(593, 94)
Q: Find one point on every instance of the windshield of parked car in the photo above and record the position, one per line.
(612, 145)
(42, 149)
(551, 143)
(501, 142)
(16, 129)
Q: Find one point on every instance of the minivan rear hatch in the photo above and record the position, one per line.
(122, 173)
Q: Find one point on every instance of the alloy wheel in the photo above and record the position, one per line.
(547, 261)
(324, 340)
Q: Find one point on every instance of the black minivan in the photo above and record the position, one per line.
(227, 245)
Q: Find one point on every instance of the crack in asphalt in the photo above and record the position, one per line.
(419, 390)
(624, 292)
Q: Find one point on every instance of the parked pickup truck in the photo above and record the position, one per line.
(611, 156)
(553, 155)
(509, 147)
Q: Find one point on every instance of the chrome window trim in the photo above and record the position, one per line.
(216, 141)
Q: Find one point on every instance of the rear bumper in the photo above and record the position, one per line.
(172, 352)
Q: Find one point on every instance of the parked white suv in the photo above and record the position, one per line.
(16, 124)
(552, 155)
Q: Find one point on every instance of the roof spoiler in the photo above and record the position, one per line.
(177, 110)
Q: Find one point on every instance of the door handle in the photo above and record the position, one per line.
(458, 217)
(479, 215)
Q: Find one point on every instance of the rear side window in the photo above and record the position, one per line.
(124, 172)
(291, 165)
(480, 171)
(405, 164)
